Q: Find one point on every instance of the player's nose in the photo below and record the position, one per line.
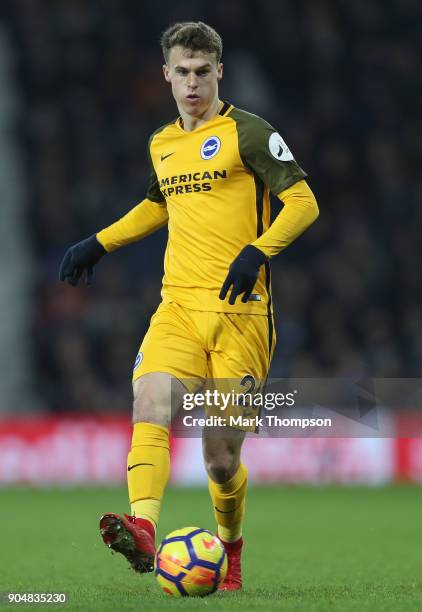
(192, 81)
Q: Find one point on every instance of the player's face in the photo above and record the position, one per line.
(194, 77)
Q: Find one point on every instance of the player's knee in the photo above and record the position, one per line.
(151, 403)
(221, 463)
(221, 471)
(149, 412)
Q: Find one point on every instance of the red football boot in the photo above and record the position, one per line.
(132, 537)
(233, 579)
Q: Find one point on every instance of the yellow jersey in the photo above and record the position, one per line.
(214, 182)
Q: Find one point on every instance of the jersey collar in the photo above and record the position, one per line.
(222, 113)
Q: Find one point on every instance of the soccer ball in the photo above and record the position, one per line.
(190, 562)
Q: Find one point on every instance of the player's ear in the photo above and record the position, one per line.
(219, 71)
(166, 72)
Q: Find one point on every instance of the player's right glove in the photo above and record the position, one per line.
(80, 258)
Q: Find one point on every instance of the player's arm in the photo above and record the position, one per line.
(299, 212)
(266, 154)
(144, 219)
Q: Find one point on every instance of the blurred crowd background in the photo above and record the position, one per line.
(341, 82)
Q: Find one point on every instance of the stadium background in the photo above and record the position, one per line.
(81, 92)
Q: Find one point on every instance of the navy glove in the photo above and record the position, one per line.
(243, 274)
(80, 258)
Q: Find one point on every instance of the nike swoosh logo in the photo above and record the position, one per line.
(163, 157)
(225, 511)
(130, 467)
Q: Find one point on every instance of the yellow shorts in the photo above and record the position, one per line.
(194, 345)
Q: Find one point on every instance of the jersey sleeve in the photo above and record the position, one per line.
(153, 190)
(299, 212)
(142, 220)
(264, 151)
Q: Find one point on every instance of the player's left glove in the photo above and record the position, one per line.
(243, 274)
(80, 258)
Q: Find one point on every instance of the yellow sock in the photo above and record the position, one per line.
(229, 504)
(147, 508)
(148, 469)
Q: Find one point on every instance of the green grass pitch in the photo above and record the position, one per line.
(327, 548)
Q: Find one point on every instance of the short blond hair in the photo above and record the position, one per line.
(196, 36)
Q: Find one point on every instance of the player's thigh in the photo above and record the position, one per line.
(239, 364)
(243, 347)
(170, 361)
(172, 345)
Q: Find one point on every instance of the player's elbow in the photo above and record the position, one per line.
(312, 205)
(314, 213)
(300, 198)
